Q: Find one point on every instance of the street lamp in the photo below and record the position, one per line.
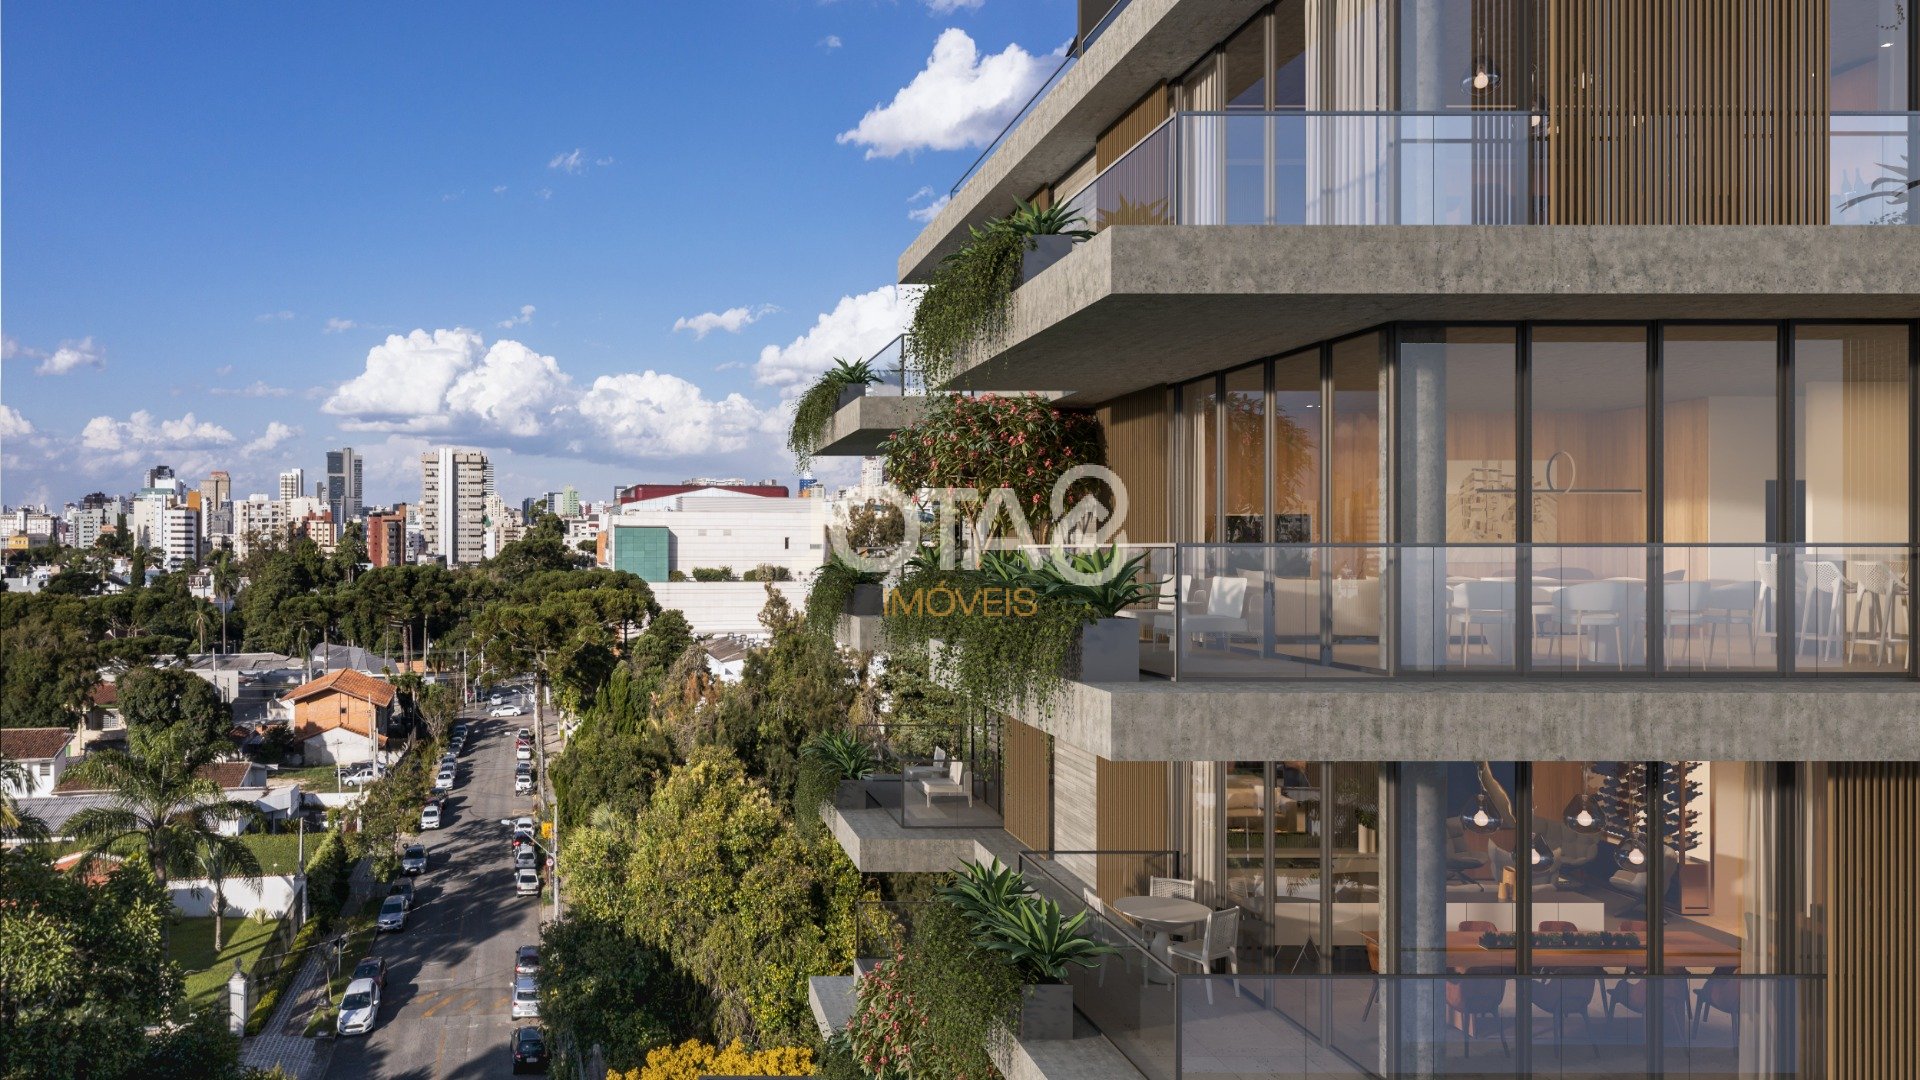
(553, 878)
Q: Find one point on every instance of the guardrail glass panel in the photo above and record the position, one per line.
(936, 776)
(1874, 169)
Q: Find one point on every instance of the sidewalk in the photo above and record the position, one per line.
(283, 1041)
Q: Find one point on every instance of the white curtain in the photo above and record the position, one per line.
(1205, 847)
(1202, 144)
(1347, 70)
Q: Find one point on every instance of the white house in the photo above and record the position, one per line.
(45, 751)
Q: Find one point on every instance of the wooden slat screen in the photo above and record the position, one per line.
(1873, 949)
(1705, 112)
(1027, 776)
(1131, 815)
(1139, 122)
(1136, 430)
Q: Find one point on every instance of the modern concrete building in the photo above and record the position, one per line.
(293, 484)
(344, 474)
(1518, 403)
(678, 532)
(454, 485)
(178, 541)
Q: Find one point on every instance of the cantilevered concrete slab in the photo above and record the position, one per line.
(1138, 306)
(877, 843)
(861, 426)
(1512, 720)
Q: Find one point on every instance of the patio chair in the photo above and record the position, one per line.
(1178, 888)
(955, 783)
(921, 772)
(1225, 614)
(1221, 941)
(1734, 605)
(1593, 607)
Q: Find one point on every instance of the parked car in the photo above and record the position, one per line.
(526, 960)
(459, 732)
(374, 968)
(445, 780)
(430, 816)
(402, 888)
(524, 733)
(414, 859)
(393, 914)
(364, 775)
(529, 1050)
(523, 752)
(526, 998)
(359, 1008)
(526, 882)
(526, 858)
(495, 699)
(523, 784)
(450, 760)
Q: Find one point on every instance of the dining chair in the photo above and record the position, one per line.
(1176, 888)
(1823, 623)
(1373, 965)
(1568, 992)
(1718, 991)
(1477, 999)
(1734, 605)
(1593, 607)
(1877, 584)
(1686, 604)
(1094, 904)
(1220, 941)
(1558, 926)
(1486, 604)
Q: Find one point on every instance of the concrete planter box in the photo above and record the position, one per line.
(850, 795)
(1110, 651)
(1046, 251)
(849, 395)
(866, 600)
(1046, 1011)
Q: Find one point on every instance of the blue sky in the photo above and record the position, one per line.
(236, 235)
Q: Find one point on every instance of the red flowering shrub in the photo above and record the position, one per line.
(1022, 443)
(884, 1023)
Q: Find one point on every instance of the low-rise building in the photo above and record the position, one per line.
(44, 751)
(688, 529)
(341, 717)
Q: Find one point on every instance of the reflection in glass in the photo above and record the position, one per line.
(1296, 447)
(1457, 434)
(1246, 62)
(1589, 434)
(1850, 428)
(1199, 516)
(1244, 443)
(1357, 404)
(1868, 43)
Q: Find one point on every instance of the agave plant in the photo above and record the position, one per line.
(840, 752)
(1898, 189)
(814, 411)
(1028, 219)
(1114, 589)
(1037, 938)
(853, 372)
(983, 893)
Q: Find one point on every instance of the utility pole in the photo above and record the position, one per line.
(300, 860)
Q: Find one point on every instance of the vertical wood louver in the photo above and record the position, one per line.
(1705, 112)
(1873, 950)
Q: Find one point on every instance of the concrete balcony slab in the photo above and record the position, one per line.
(861, 426)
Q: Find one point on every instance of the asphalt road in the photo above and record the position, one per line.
(446, 1010)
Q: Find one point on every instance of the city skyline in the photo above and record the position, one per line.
(415, 280)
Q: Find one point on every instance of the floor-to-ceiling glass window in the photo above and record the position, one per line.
(1852, 594)
(1589, 495)
(1296, 448)
(1197, 490)
(1458, 468)
(1356, 513)
(1720, 420)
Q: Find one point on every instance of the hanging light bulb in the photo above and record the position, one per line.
(1483, 79)
(1632, 855)
(1482, 818)
(1541, 854)
(1580, 815)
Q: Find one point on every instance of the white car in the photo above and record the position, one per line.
(526, 882)
(363, 774)
(526, 998)
(523, 784)
(523, 752)
(443, 782)
(504, 710)
(359, 1008)
(430, 816)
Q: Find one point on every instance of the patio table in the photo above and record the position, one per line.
(1162, 915)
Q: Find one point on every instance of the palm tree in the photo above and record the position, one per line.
(219, 858)
(226, 582)
(156, 798)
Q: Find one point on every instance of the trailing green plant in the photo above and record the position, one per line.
(813, 413)
(930, 1012)
(832, 587)
(1003, 647)
(966, 301)
(982, 893)
(1041, 942)
(841, 753)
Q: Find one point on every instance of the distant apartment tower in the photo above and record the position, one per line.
(387, 537)
(292, 483)
(343, 484)
(216, 497)
(159, 476)
(453, 489)
(178, 537)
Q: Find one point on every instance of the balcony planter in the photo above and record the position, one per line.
(850, 394)
(1110, 651)
(850, 795)
(866, 600)
(1046, 1011)
(1044, 252)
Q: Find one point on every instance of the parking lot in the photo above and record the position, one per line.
(446, 1010)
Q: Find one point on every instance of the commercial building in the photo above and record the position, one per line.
(344, 474)
(454, 485)
(691, 528)
(1517, 402)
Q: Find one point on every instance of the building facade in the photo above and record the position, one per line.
(1517, 405)
(293, 484)
(387, 537)
(708, 528)
(344, 474)
(454, 485)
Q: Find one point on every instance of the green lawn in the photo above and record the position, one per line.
(190, 944)
(312, 778)
(278, 852)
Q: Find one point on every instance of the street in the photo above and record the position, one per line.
(449, 973)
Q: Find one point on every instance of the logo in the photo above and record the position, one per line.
(940, 602)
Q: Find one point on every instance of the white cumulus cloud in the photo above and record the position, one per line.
(522, 319)
(653, 414)
(71, 356)
(270, 439)
(12, 424)
(855, 329)
(569, 161)
(732, 320)
(960, 99)
(831, 41)
(106, 441)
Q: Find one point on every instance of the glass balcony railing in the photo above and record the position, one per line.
(1252, 611)
(897, 377)
(1477, 168)
(934, 776)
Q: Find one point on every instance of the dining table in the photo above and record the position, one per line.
(1680, 949)
(1161, 915)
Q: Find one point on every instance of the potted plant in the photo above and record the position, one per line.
(1109, 644)
(842, 756)
(839, 588)
(813, 413)
(1049, 234)
(1042, 944)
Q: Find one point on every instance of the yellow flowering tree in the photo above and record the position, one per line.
(693, 1059)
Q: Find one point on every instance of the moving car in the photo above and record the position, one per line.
(526, 998)
(374, 968)
(393, 913)
(359, 1008)
(504, 710)
(429, 819)
(526, 882)
(529, 1050)
(526, 960)
(414, 859)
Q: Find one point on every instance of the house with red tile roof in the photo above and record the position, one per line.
(340, 717)
(45, 751)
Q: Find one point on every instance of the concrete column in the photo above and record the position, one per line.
(1415, 1010)
(1426, 82)
(1422, 503)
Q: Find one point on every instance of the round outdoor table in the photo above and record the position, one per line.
(1162, 915)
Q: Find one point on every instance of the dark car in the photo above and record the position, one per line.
(526, 960)
(529, 1050)
(372, 968)
(403, 888)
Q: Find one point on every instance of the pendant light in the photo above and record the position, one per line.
(1541, 854)
(1482, 818)
(1632, 855)
(1581, 816)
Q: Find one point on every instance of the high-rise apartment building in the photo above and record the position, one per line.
(158, 477)
(387, 537)
(177, 541)
(293, 483)
(454, 485)
(343, 484)
(216, 497)
(1516, 407)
